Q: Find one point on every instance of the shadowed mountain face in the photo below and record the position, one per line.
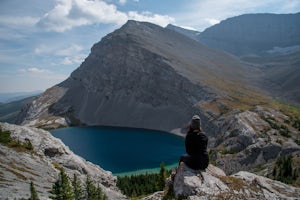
(143, 76)
(268, 43)
(253, 33)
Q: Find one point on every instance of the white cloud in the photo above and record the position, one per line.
(161, 20)
(204, 13)
(71, 50)
(75, 59)
(13, 21)
(43, 49)
(212, 21)
(122, 2)
(67, 55)
(72, 13)
(34, 70)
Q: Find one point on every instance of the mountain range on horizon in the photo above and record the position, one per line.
(270, 43)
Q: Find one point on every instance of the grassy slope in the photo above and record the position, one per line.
(9, 111)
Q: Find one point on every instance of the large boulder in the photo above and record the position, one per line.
(214, 184)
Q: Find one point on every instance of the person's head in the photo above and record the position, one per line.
(195, 123)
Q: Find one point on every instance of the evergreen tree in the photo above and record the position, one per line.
(90, 188)
(61, 189)
(100, 195)
(283, 171)
(93, 192)
(162, 176)
(77, 190)
(33, 193)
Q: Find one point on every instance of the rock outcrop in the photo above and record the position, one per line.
(250, 139)
(19, 168)
(214, 184)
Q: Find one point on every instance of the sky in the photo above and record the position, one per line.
(42, 42)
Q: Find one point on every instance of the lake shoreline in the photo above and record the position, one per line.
(124, 151)
(146, 171)
(176, 131)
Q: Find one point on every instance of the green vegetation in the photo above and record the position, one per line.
(139, 185)
(212, 154)
(295, 122)
(77, 189)
(93, 192)
(33, 193)
(283, 130)
(64, 189)
(6, 140)
(61, 189)
(283, 170)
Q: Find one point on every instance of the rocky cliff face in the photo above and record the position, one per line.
(40, 165)
(250, 139)
(140, 76)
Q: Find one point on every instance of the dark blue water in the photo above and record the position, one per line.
(122, 150)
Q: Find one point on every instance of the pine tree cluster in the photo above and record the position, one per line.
(143, 184)
(284, 171)
(66, 189)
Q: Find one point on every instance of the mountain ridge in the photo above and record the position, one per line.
(171, 79)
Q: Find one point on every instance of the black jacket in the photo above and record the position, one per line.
(196, 143)
(196, 148)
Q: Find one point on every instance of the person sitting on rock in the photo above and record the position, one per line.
(195, 146)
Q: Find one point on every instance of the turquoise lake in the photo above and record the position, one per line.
(123, 150)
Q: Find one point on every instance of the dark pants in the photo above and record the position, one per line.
(195, 162)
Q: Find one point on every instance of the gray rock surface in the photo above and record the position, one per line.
(214, 184)
(19, 168)
(246, 140)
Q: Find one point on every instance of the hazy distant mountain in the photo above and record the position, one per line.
(280, 74)
(253, 33)
(9, 111)
(189, 33)
(15, 96)
(269, 43)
